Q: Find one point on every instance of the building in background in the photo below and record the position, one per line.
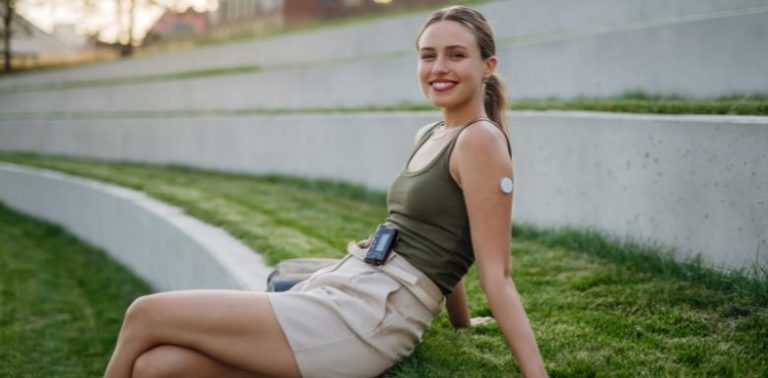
(247, 18)
(235, 18)
(234, 11)
(175, 25)
(30, 44)
(66, 33)
(303, 11)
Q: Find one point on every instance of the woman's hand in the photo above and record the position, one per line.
(481, 320)
(363, 243)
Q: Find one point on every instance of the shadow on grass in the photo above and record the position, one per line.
(750, 282)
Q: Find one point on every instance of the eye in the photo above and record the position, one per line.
(427, 56)
(457, 55)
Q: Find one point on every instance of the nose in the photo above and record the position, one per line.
(440, 65)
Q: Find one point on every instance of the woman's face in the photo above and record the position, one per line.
(450, 66)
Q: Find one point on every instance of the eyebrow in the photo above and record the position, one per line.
(451, 47)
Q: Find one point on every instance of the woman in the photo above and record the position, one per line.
(357, 319)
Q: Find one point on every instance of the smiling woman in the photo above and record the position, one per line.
(468, 60)
(450, 71)
(449, 186)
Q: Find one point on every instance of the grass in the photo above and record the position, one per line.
(61, 301)
(631, 102)
(640, 102)
(598, 307)
(131, 80)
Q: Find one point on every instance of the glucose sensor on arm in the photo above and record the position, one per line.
(506, 185)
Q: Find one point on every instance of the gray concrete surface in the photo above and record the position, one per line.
(548, 48)
(695, 58)
(167, 248)
(694, 183)
(511, 20)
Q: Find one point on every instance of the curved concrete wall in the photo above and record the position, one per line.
(547, 48)
(516, 19)
(162, 245)
(695, 183)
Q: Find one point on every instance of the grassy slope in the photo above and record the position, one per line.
(592, 315)
(61, 302)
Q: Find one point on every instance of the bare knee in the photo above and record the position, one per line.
(160, 361)
(140, 307)
(137, 317)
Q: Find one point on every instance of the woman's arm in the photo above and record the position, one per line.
(458, 311)
(456, 304)
(480, 161)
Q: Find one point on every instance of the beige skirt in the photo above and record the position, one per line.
(353, 319)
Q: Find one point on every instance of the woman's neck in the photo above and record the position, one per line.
(461, 115)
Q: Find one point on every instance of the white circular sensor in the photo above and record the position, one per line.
(507, 186)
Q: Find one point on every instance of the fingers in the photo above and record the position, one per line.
(481, 320)
(362, 244)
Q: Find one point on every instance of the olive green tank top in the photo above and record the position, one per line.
(427, 208)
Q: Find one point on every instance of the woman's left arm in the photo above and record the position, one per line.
(481, 161)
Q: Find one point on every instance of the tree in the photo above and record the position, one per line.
(10, 25)
(7, 14)
(127, 48)
(126, 11)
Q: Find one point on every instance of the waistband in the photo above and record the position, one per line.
(411, 277)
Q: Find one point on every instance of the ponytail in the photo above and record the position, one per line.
(495, 101)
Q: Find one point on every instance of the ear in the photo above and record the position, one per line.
(490, 66)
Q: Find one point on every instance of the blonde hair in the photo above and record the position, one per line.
(494, 98)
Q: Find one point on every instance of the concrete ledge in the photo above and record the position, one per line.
(695, 183)
(517, 20)
(161, 244)
(660, 56)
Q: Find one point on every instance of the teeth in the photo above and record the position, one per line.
(442, 84)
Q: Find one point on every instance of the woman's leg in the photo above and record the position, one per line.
(174, 361)
(237, 328)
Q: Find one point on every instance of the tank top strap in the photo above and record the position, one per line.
(506, 139)
(428, 133)
(452, 142)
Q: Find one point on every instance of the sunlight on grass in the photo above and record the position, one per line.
(598, 307)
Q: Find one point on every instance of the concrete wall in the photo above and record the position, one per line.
(547, 48)
(695, 183)
(517, 19)
(162, 245)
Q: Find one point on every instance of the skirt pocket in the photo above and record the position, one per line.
(402, 327)
(359, 292)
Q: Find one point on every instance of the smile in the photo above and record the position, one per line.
(440, 86)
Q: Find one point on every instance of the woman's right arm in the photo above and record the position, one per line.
(456, 305)
(458, 310)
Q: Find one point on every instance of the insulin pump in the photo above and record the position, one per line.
(381, 245)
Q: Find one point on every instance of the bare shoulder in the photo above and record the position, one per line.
(481, 149)
(481, 138)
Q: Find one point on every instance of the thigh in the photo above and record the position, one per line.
(175, 361)
(238, 328)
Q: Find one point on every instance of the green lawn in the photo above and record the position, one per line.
(61, 301)
(598, 307)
